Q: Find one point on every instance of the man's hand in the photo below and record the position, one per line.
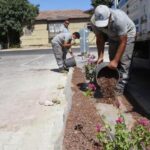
(73, 43)
(99, 60)
(71, 53)
(113, 64)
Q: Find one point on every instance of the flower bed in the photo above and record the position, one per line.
(83, 121)
(123, 139)
(80, 131)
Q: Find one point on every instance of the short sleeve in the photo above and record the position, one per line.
(121, 28)
(68, 38)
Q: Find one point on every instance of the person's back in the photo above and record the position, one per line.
(120, 24)
(61, 38)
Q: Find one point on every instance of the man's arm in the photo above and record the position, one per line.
(114, 63)
(68, 45)
(100, 42)
(71, 53)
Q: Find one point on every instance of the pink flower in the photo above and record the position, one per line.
(143, 121)
(120, 120)
(91, 86)
(98, 127)
(92, 57)
(91, 61)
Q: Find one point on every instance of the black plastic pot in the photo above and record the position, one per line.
(70, 62)
(103, 70)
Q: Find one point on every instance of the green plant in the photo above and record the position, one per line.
(14, 16)
(141, 133)
(90, 68)
(123, 139)
(91, 88)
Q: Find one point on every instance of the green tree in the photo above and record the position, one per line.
(95, 3)
(14, 15)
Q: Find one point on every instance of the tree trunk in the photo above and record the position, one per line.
(8, 40)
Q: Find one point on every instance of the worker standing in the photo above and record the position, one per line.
(59, 43)
(114, 26)
(64, 27)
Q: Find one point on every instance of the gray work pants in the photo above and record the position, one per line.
(125, 62)
(60, 54)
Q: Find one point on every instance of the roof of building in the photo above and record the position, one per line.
(62, 15)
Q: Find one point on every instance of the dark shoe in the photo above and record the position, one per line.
(66, 68)
(62, 70)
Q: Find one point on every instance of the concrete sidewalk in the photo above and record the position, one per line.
(26, 81)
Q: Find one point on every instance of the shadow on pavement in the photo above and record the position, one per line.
(55, 70)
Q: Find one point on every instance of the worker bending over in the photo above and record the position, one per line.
(114, 26)
(59, 44)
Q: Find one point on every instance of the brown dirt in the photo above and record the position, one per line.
(107, 86)
(80, 132)
(107, 81)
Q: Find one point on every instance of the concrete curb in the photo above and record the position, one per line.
(35, 48)
(58, 145)
(24, 49)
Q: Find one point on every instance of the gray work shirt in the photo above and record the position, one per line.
(62, 37)
(119, 24)
(63, 29)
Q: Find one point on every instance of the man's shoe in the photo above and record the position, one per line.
(63, 70)
(66, 68)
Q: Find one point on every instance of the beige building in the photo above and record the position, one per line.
(48, 23)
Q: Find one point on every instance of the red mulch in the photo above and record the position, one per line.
(80, 132)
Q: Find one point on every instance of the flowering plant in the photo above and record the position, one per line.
(123, 139)
(90, 68)
(91, 88)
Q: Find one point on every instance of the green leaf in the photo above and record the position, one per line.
(14, 15)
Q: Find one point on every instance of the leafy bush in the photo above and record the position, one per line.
(124, 139)
(91, 88)
(90, 68)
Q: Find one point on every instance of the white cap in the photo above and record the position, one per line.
(101, 16)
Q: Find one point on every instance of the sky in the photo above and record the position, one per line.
(62, 4)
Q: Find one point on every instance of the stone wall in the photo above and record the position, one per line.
(38, 37)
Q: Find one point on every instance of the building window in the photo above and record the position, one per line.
(54, 28)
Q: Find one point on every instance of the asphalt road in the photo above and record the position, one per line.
(35, 52)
